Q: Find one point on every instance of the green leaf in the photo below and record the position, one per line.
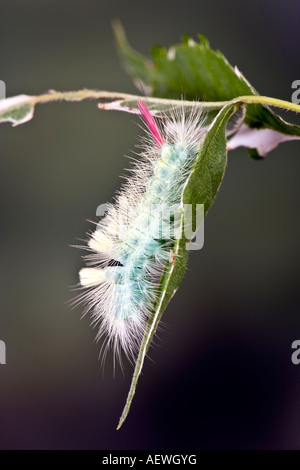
(16, 110)
(193, 70)
(201, 188)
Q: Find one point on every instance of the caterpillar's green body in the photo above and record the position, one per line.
(134, 241)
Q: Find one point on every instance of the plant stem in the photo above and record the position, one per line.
(114, 96)
(255, 99)
(127, 102)
(95, 94)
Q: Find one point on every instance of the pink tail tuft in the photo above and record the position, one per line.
(150, 121)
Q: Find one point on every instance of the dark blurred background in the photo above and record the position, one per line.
(221, 376)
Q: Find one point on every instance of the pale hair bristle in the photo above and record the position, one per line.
(91, 277)
(100, 242)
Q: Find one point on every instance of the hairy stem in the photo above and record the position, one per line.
(255, 99)
(128, 102)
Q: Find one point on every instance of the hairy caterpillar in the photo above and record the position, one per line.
(134, 240)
